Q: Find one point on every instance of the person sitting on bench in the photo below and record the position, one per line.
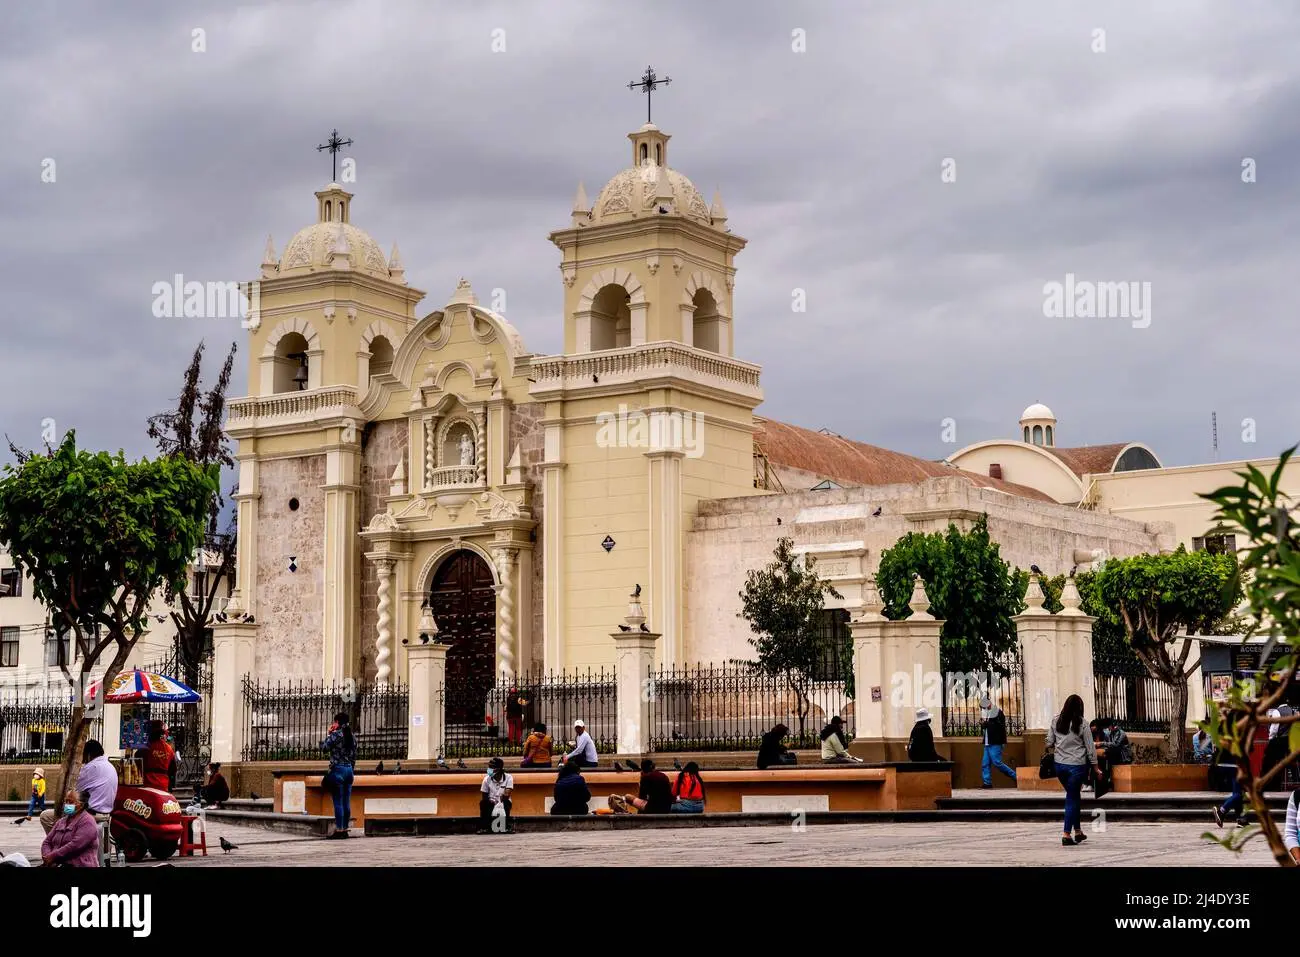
(772, 751)
(834, 748)
(920, 746)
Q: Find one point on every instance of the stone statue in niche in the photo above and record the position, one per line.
(466, 449)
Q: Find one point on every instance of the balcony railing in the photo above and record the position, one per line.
(454, 476)
(645, 361)
(254, 410)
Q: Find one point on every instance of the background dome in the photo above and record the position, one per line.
(311, 248)
(1037, 411)
(631, 193)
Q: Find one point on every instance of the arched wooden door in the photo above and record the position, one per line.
(464, 605)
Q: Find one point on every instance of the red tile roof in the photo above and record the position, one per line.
(1089, 459)
(856, 463)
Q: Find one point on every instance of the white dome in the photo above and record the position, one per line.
(311, 248)
(631, 193)
(1037, 411)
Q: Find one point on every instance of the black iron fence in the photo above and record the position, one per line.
(287, 721)
(729, 707)
(513, 705)
(1123, 690)
(33, 729)
(190, 724)
(1002, 683)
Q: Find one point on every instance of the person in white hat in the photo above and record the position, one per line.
(584, 749)
(920, 746)
(37, 803)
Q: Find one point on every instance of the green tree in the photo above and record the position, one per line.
(783, 603)
(1158, 597)
(193, 431)
(98, 536)
(970, 587)
(1269, 572)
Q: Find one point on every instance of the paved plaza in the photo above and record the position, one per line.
(929, 844)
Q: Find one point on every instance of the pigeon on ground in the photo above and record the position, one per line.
(677, 765)
(379, 768)
(618, 767)
(254, 795)
(248, 620)
(624, 627)
(227, 846)
(644, 626)
(441, 762)
(220, 617)
(460, 763)
(1035, 569)
(633, 765)
(876, 513)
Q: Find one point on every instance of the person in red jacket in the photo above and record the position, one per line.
(159, 759)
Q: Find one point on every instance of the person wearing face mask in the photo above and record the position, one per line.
(497, 785)
(73, 841)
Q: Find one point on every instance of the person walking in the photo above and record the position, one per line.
(584, 749)
(920, 745)
(1071, 745)
(37, 803)
(572, 795)
(688, 791)
(496, 789)
(73, 841)
(994, 724)
(537, 748)
(835, 749)
(341, 744)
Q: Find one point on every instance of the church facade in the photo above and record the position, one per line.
(389, 459)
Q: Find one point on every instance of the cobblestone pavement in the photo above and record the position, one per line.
(930, 844)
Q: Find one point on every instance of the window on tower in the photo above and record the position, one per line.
(381, 356)
(1049, 435)
(290, 363)
(1038, 435)
(1026, 433)
(645, 153)
(707, 326)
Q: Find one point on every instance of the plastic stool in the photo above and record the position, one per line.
(188, 844)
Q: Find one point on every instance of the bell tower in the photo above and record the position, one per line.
(647, 412)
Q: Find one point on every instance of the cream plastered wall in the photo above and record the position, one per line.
(1171, 494)
(1024, 465)
(734, 535)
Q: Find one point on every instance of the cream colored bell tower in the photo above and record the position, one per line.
(647, 412)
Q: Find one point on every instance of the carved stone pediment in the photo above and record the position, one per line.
(383, 522)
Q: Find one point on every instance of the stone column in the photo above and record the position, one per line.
(234, 645)
(665, 541)
(507, 657)
(895, 672)
(426, 674)
(553, 541)
(1056, 655)
(342, 559)
(634, 657)
(1195, 681)
(384, 638)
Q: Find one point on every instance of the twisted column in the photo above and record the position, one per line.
(506, 634)
(383, 651)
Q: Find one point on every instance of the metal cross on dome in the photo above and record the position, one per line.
(334, 144)
(647, 85)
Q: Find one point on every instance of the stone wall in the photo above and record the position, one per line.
(734, 535)
(527, 433)
(290, 605)
(386, 444)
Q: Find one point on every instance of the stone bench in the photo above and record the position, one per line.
(1142, 778)
(811, 789)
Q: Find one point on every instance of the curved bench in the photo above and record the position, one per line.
(785, 790)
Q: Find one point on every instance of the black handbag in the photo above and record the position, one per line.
(1047, 766)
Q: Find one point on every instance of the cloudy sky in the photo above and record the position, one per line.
(1102, 139)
